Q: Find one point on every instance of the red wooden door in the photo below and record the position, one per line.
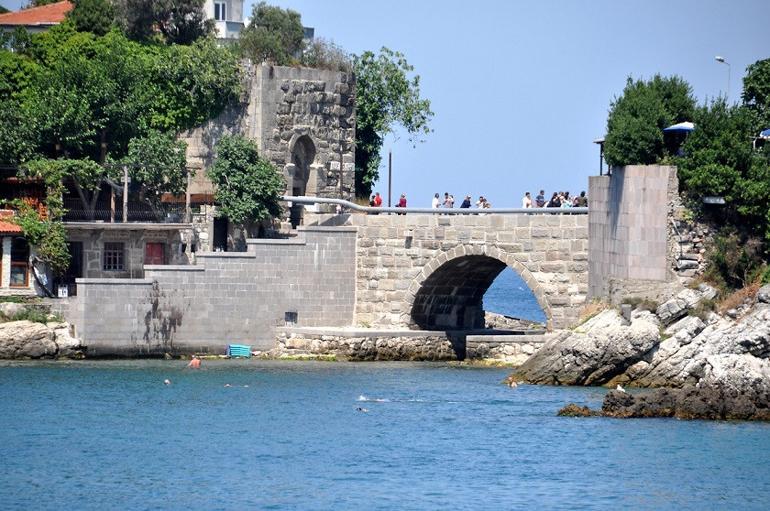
(154, 253)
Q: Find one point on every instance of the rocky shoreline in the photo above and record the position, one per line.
(707, 367)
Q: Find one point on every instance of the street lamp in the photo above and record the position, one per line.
(722, 60)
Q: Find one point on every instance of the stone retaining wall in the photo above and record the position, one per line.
(373, 344)
(509, 349)
(227, 298)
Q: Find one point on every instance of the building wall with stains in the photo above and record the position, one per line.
(226, 298)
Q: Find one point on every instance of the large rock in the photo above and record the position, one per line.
(683, 358)
(592, 355)
(25, 339)
(764, 294)
(691, 402)
(673, 309)
(67, 344)
(10, 309)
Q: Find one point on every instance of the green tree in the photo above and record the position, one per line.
(637, 118)
(248, 187)
(274, 34)
(177, 21)
(191, 84)
(157, 162)
(756, 90)
(76, 99)
(95, 16)
(386, 97)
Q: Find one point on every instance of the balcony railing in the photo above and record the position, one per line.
(137, 212)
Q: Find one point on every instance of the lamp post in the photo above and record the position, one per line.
(722, 60)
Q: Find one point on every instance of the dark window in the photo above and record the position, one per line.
(220, 11)
(19, 263)
(113, 257)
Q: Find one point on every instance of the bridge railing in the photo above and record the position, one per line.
(430, 211)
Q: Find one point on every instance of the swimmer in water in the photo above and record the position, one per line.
(360, 409)
(166, 382)
(195, 363)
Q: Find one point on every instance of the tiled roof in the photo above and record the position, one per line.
(7, 227)
(51, 14)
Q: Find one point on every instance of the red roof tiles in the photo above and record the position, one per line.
(7, 227)
(51, 14)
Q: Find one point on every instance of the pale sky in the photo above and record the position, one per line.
(520, 89)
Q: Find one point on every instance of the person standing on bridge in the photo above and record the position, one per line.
(466, 203)
(402, 203)
(526, 201)
(540, 199)
(377, 200)
(435, 202)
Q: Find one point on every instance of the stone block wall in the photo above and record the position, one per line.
(424, 259)
(302, 120)
(629, 248)
(230, 297)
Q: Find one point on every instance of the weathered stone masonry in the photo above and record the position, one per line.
(302, 120)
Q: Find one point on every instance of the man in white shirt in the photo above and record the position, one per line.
(435, 202)
(526, 201)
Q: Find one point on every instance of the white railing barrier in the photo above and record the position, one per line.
(347, 205)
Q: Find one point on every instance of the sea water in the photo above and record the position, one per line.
(509, 295)
(348, 436)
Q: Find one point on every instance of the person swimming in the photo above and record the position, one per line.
(195, 363)
(166, 382)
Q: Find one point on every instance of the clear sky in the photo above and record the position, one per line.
(521, 89)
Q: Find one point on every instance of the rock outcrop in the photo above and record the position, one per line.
(704, 366)
(593, 354)
(26, 339)
(691, 402)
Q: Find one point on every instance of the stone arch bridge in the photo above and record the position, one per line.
(430, 271)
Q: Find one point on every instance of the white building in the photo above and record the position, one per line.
(227, 16)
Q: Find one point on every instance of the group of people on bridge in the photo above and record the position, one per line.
(558, 200)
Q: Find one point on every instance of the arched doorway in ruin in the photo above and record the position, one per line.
(302, 174)
(450, 297)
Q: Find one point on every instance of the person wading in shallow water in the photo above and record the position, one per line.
(195, 363)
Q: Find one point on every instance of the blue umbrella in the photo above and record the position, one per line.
(765, 134)
(682, 126)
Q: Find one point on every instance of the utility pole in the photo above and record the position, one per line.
(125, 193)
(390, 173)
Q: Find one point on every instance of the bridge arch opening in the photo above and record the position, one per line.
(451, 297)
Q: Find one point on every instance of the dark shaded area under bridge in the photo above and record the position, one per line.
(451, 297)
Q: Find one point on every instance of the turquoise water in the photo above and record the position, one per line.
(288, 435)
(510, 295)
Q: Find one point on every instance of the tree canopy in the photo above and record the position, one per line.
(637, 118)
(274, 34)
(171, 21)
(87, 100)
(386, 97)
(95, 16)
(248, 187)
